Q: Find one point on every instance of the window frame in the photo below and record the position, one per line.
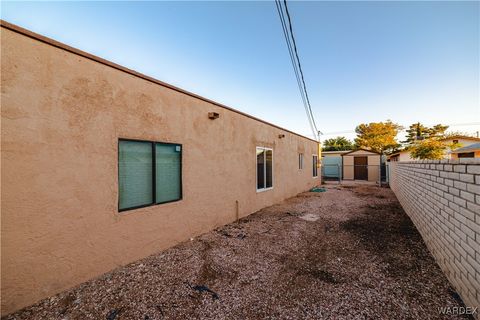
(314, 166)
(264, 171)
(154, 173)
(300, 161)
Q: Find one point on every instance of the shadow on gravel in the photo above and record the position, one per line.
(386, 231)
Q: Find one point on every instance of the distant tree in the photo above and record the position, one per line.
(378, 136)
(418, 131)
(432, 148)
(438, 131)
(337, 144)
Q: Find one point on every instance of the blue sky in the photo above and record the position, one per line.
(363, 61)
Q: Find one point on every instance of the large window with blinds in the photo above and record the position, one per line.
(149, 173)
(264, 168)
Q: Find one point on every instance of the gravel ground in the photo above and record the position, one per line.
(350, 252)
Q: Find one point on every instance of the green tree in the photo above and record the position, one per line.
(378, 136)
(418, 131)
(432, 149)
(337, 144)
(438, 131)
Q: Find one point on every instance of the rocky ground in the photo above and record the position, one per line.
(349, 252)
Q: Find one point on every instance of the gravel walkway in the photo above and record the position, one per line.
(350, 252)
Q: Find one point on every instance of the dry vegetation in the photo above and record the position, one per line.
(350, 252)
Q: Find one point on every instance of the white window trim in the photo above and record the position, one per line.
(316, 164)
(265, 171)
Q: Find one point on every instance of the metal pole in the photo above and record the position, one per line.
(380, 173)
(339, 175)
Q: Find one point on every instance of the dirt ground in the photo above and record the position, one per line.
(349, 252)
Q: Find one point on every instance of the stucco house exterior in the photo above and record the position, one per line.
(102, 166)
(470, 151)
(403, 155)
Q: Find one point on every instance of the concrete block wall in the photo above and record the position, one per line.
(442, 197)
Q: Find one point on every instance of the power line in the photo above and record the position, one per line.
(295, 60)
(299, 64)
(294, 65)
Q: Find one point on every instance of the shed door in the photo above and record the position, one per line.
(360, 169)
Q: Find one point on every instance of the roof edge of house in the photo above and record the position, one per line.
(63, 46)
(336, 151)
(362, 149)
(461, 137)
(470, 148)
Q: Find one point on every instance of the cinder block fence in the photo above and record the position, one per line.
(442, 198)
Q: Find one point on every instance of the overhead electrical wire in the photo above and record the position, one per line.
(294, 58)
(299, 64)
(294, 65)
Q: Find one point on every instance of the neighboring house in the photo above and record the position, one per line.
(470, 151)
(102, 166)
(463, 141)
(403, 155)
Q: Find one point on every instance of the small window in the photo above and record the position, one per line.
(300, 161)
(466, 155)
(148, 173)
(315, 166)
(264, 168)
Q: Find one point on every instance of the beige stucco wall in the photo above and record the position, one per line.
(347, 168)
(463, 142)
(373, 162)
(405, 156)
(62, 116)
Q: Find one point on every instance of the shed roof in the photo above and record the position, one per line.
(361, 149)
(337, 151)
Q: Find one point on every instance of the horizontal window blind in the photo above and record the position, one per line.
(168, 168)
(135, 174)
(148, 173)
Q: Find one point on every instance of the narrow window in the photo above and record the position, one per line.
(300, 161)
(264, 168)
(148, 173)
(135, 174)
(260, 168)
(168, 176)
(315, 168)
(268, 168)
